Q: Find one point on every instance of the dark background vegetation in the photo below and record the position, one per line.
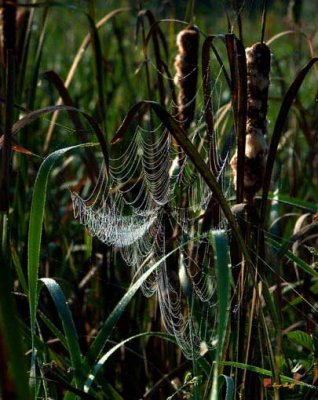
(92, 275)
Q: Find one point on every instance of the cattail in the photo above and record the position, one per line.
(186, 64)
(8, 27)
(258, 59)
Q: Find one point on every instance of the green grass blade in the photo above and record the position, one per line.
(293, 201)
(35, 228)
(189, 15)
(101, 362)
(229, 386)
(98, 64)
(278, 130)
(266, 372)
(292, 257)
(54, 330)
(68, 324)
(18, 269)
(105, 332)
(37, 62)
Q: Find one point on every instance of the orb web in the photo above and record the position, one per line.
(152, 200)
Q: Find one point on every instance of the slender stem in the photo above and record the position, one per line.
(7, 143)
(264, 14)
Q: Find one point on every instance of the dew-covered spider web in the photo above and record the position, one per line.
(150, 201)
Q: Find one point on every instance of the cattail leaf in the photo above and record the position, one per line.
(37, 60)
(127, 121)
(278, 130)
(23, 57)
(33, 115)
(266, 372)
(154, 27)
(102, 361)
(293, 201)
(23, 150)
(54, 78)
(292, 257)
(98, 64)
(154, 33)
(303, 232)
(68, 325)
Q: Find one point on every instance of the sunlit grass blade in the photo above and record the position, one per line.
(35, 227)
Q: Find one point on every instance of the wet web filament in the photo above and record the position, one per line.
(150, 199)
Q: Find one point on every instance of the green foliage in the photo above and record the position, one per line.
(72, 318)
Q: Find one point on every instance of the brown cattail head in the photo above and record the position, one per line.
(186, 64)
(258, 60)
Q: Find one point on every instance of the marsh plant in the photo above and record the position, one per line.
(158, 202)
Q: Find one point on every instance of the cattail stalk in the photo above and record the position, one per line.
(186, 64)
(258, 67)
(9, 37)
(8, 25)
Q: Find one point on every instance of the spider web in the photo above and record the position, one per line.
(152, 200)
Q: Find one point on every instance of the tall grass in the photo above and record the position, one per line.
(73, 323)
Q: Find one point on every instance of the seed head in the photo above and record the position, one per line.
(258, 59)
(186, 64)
